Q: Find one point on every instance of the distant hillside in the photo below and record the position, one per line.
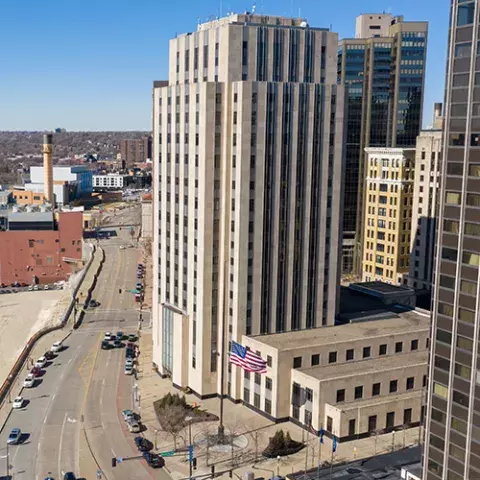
(20, 150)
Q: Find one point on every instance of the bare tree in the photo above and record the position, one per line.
(172, 420)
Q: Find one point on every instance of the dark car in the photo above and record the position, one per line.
(93, 303)
(143, 444)
(119, 335)
(49, 355)
(154, 460)
(35, 371)
(129, 353)
(106, 345)
(69, 476)
(117, 343)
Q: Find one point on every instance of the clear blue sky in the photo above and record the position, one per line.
(90, 64)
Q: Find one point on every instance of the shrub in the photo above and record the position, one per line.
(281, 444)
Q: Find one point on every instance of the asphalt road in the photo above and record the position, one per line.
(84, 389)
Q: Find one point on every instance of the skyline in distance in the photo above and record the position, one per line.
(91, 66)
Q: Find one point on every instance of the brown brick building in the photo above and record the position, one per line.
(136, 150)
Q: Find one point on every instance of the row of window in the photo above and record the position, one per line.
(458, 139)
(390, 162)
(468, 258)
(455, 198)
(384, 187)
(452, 226)
(457, 169)
(388, 174)
(350, 353)
(358, 393)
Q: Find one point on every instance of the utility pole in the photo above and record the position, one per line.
(221, 427)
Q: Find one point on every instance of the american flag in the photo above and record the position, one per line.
(246, 359)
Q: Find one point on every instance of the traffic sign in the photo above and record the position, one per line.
(170, 453)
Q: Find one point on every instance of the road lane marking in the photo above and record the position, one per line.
(61, 445)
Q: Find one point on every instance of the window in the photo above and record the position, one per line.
(350, 354)
(372, 423)
(258, 379)
(460, 398)
(297, 362)
(449, 254)
(414, 345)
(390, 420)
(309, 394)
(457, 139)
(269, 361)
(382, 350)
(268, 383)
(410, 383)
(393, 386)
(472, 229)
(463, 50)
(465, 14)
(332, 357)
(359, 392)
(376, 389)
(407, 416)
(351, 427)
(246, 395)
(451, 227)
(473, 200)
(453, 198)
(440, 390)
(366, 352)
(315, 359)
(329, 424)
(341, 395)
(256, 400)
(470, 288)
(398, 347)
(465, 343)
(268, 406)
(463, 371)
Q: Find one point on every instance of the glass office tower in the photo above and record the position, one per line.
(452, 439)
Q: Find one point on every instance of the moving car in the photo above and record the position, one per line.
(41, 362)
(143, 444)
(18, 402)
(56, 347)
(154, 460)
(14, 437)
(128, 369)
(29, 381)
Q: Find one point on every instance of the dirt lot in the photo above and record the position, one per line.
(23, 314)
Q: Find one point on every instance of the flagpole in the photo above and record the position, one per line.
(320, 451)
(221, 427)
(331, 462)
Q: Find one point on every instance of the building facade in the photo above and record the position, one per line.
(248, 143)
(425, 203)
(111, 181)
(36, 248)
(136, 150)
(388, 214)
(353, 380)
(384, 70)
(452, 442)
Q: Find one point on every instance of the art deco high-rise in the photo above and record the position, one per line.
(248, 150)
(452, 441)
(384, 69)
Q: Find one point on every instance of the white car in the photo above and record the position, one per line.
(35, 287)
(18, 402)
(129, 362)
(29, 381)
(108, 336)
(41, 362)
(46, 287)
(56, 347)
(128, 369)
(30, 288)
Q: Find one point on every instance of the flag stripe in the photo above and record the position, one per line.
(249, 361)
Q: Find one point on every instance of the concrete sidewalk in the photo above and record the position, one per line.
(253, 429)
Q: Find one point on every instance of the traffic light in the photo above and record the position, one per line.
(213, 471)
(230, 473)
(194, 463)
(114, 462)
(190, 453)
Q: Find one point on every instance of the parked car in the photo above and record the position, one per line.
(41, 362)
(120, 335)
(143, 444)
(126, 414)
(56, 347)
(129, 353)
(129, 361)
(108, 336)
(106, 345)
(35, 287)
(93, 303)
(29, 381)
(154, 460)
(30, 288)
(117, 343)
(35, 371)
(128, 369)
(133, 425)
(46, 287)
(14, 437)
(18, 402)
(49, 355)
(69, 476)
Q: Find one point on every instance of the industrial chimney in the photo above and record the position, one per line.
(48, 167)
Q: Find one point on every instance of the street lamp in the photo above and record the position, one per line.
(278, 465)
(189, 420)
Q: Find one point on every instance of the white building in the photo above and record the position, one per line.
(111, 181)
(248, 161)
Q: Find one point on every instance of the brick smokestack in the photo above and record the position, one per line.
(48, 167)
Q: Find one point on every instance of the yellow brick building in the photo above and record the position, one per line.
(388, 214)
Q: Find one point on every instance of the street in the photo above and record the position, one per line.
(83, 390)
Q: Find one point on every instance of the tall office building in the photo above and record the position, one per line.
(384, 69)
(248, 149)
(425, 203)
(388, 214)
(452, 442)
(136, 150)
